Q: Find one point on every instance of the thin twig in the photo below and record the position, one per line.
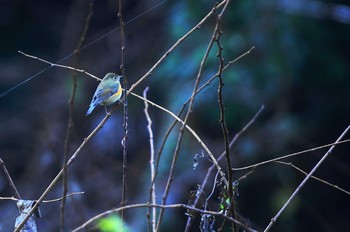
(245, 175)
(47, 201)
(61, 198)
(212, 190)
(218, 34)
(125, 103)
(274, 219)
(9, 198)
(152, 193)
(59, 65)
(173, 206)
(314, 177)
(70, 114)
(9, 179)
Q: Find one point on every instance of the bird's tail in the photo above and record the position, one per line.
(91, 108)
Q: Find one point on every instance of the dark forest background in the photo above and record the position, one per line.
(299, 70)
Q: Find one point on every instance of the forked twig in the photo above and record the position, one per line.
(314, 177)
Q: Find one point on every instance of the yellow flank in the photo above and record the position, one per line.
(115, 97)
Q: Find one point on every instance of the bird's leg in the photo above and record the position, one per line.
(108, 113)
(121, 100)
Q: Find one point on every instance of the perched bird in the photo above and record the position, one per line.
(108, 91)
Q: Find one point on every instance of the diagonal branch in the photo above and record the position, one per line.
(314, 177)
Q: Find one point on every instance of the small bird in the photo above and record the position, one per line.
(108, 91)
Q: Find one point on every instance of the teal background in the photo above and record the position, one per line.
(299, 70)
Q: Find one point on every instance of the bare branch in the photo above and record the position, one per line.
(314, 177)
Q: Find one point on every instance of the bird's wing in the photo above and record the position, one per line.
(103, 94)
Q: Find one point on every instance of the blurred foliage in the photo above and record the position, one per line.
(111, 223)
(299, 69)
